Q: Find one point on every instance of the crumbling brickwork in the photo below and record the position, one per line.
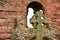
(12, 9)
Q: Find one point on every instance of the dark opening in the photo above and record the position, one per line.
(35, 5)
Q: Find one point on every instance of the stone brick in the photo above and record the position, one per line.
(4, 30)
(3, 15)
(3, 27)
(5, 35)
(12, 24)
(3, 22)
(10, 20)
(10, 27)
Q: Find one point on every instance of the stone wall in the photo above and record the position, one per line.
(12, 9)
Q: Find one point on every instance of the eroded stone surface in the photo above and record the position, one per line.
(12, 9)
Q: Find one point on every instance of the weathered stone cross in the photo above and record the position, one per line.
(37, 21)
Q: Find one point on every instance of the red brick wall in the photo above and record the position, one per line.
(9, 11)
(12, 9)
(52, 11)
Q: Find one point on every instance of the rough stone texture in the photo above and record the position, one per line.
(12, 9)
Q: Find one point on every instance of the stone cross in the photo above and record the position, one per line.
(38, 20)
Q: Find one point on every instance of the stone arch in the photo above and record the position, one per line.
(35, 6)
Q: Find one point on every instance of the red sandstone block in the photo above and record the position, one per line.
(10, 27)
(11, 24)
(10, 20)
(3, 22)
(8, 35)
(5, 35)
(4, 30)
(58, 20)
(4, 15)
(12, 14)
(8, 14)
(4, 27)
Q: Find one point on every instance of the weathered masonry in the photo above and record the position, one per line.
(12, 9)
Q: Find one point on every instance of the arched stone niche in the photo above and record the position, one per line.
(32, 7)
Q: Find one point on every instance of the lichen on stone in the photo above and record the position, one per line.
(20, 32)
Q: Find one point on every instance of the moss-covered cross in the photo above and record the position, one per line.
(37, 20)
